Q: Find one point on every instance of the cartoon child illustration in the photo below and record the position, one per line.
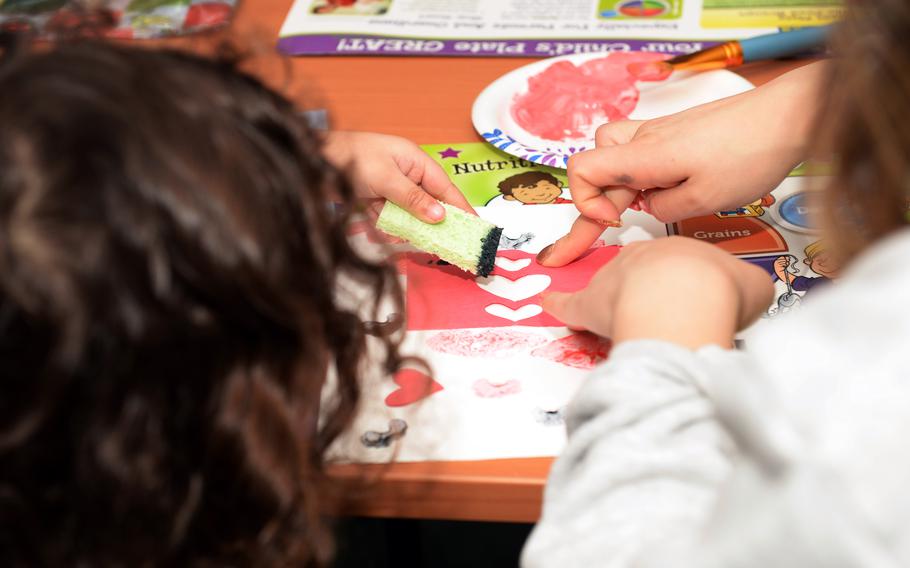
(531, 188)
(820, 260)
(754, 209)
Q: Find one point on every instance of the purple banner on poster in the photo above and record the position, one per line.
(344, 44)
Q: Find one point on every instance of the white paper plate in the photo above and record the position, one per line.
(493, 120)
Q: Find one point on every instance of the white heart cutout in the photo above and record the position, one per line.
(512, 265)
(515, 290)
(524, 312)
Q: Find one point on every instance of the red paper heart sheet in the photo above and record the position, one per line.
(444, 297)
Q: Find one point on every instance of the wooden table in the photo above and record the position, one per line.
(426, 99)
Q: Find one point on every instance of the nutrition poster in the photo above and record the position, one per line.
(535, 28)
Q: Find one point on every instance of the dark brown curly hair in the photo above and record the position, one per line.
(169, 315)
(863, 124)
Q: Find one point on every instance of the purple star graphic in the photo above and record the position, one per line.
(449, 153)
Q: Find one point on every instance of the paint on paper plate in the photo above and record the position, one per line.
(565, 100)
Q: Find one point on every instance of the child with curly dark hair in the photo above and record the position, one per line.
(170, 312)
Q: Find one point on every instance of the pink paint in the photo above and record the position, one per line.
(580, 350)
(486, 389)
(566, 99)
(469, 343)
(650, 70)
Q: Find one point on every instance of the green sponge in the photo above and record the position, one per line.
(467, 241)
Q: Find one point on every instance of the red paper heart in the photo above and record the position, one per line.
(445, 297)
(414, 386)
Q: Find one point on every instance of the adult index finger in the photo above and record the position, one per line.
(583, 234)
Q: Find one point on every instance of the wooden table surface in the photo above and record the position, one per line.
(428, 100)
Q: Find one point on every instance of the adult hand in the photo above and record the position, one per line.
(709, 158)
(677, 289)
(389, 167)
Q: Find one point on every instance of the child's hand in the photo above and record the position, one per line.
(677, 289)
(389, 167)
(709, 158)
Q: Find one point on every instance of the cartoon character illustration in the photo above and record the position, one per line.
(365, 7)
(754, 209)
(819, 259)
(531, 188)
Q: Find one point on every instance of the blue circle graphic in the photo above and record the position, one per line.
(797, 211)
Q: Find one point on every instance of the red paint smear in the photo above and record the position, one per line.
(581, 350)
(565, 99)
(414, 386)
(483, 343)
(446, 297)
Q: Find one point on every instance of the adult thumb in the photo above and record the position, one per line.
(676, 203)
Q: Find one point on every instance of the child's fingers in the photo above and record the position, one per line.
(408, 195)
(567, 308)
(437, 183)
(757, 293)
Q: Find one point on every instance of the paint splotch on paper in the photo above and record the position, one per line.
(566, 100)
(580, 350)
(483, 343)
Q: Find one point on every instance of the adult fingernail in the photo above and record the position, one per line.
(436, 212)
(542, 255)
(610, 223)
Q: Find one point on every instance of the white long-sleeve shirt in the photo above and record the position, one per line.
(792, 453)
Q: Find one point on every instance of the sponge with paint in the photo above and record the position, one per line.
(467, 241)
